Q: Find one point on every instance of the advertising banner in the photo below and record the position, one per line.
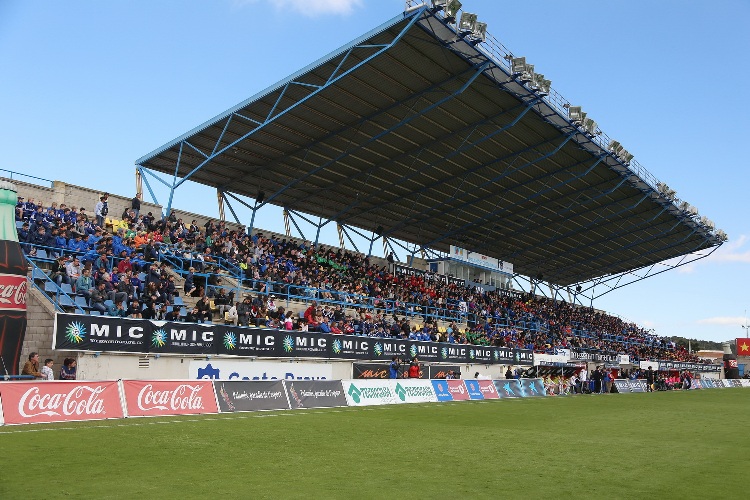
(488, 390)
(458, 391)
(369, 392)
(243, 369)
(442, 393)
(371, 370)
(182, 338)
(532, 387)
(441, 371)
(413, 391)
(150, 398)
(621, 385)
(103, 334)
(744, 382)
(43, 402)
(473, 389)
(508, 388)
(315, 394)
(638, 385)
(696, 384)
(595, 356)
(241, 395)
(80, 332)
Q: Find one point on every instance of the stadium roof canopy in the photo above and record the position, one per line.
(424, 135)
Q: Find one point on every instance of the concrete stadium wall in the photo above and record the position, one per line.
(40, 315)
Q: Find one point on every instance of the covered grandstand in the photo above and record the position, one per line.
(421, 132)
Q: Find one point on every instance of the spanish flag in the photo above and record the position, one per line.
(743, 347)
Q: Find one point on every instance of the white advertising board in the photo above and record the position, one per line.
(228, 369)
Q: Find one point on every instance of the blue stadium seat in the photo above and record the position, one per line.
(41, 254)
(82, 302)
(19, 224)
(178, 301)
(38, 274)
(50, 287)
(67, 288)
(66, 301)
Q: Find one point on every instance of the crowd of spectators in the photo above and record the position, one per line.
(117, 271)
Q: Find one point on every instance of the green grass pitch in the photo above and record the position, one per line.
(660, 445)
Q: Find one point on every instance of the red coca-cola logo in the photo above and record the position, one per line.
(168, 397)
(13, 292)
(182, 397)
(80, 401)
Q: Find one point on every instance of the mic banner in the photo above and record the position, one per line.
(45, 402)
(74, 332)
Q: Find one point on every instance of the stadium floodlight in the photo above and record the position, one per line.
(479, 33)
(467, 23)
(693, 211)
(438, 5)
(615, 147)
(660, 186)
(451, 9)
(590, 126)
(626, 157)
(576, 115)
(707, 222)
(685, 206)
(518, 65)
(544, 86)
(721, 235)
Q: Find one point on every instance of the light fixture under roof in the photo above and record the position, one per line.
(467, 22)
(576, 114)
(451, 9)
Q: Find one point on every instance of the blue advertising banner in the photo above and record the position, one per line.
(441, 390)
(508, 388)
(532, 387)
(473, 387)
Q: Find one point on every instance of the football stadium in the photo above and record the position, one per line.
(448, 344)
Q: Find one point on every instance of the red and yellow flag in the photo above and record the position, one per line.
(743, 347)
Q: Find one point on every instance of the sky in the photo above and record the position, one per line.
(88, 87)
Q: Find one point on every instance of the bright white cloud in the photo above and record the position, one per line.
(310, 8)
(724, 321)
(733, 251)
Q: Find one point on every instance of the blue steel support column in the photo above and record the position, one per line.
(294, 222)
(148, 185)
(231, 209)
(317, 232)
(174, 180)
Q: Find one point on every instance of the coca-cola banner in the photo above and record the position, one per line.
(242, 395)
(168, 397)
(74, 332)
(315, 394)
(43, 402)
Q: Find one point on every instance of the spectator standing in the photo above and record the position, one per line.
(101, 210)
(135, 205)
(414, 368)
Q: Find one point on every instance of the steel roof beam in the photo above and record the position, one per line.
(491, 181)
(476, 72)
